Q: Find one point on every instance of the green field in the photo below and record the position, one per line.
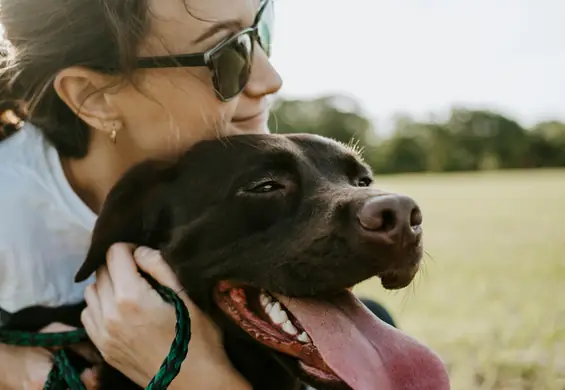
(491, 296)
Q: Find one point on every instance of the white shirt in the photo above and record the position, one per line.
(45, 227)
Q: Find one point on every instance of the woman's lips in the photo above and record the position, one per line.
(251, 122)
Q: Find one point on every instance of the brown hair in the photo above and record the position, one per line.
(42, 37)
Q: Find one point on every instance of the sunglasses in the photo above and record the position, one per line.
(229, 61)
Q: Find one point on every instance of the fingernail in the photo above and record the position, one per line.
(114, 250)
(143, 251)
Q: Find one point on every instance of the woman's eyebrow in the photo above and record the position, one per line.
(230, 25)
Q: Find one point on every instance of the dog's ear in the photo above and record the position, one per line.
(133, 212)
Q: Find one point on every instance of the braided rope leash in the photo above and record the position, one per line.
(64, 376)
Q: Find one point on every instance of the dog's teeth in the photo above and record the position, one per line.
(303, 337)
(289, 328)
(264, 299)
(269, 307)
(276, 308)
(277, 314)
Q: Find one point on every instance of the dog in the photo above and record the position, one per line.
(267, 235)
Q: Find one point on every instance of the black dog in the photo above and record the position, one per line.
(267, 233)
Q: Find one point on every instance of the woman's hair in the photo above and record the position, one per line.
(42, 37)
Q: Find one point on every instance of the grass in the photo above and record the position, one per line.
(491, 296)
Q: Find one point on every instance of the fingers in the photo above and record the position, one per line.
(84, 349)
(150, 261)
(122, 271)
(56, 327)
(93, 305)
(90, 379)
(103, 293)
(89, 352)
(91, 316)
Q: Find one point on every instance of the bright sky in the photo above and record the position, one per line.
(422, 56)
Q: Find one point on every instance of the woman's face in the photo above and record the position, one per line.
(169, 109)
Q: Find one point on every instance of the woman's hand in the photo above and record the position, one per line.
(28, 367)
(133, 327)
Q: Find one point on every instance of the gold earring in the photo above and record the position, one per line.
(114, 132)
(113, 135)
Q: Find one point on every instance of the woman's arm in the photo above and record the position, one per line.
(28, 367)
(23, 367)
(124, 312)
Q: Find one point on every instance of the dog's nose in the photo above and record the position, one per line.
(391, 217)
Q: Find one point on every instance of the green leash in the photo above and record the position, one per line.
(64, 376)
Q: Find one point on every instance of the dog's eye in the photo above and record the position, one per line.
(265, 187)
(364, 182)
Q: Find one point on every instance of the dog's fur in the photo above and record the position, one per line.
(275, 212)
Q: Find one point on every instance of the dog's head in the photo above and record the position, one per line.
(271, 231)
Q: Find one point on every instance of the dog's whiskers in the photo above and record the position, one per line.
(429, 256)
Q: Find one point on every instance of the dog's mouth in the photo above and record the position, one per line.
(268, 321)
(336, 341)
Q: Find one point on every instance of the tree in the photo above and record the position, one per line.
(547, 144)
(337, 117)
(467, 140)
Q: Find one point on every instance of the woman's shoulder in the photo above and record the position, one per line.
(20, 203)
(28, 197)
(34, 185)
(24, 152)
(21, 176)
(22, 163)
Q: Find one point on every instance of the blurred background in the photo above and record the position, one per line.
(460, 104)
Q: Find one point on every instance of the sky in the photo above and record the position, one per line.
(425, 56)
(422, 57)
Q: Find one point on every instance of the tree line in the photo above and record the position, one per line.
(468, 140)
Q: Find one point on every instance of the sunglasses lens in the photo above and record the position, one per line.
(232, 66)
(265, 27)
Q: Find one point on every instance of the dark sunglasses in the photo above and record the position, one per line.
(229, 61)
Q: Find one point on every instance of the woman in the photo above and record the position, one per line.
(98, 103)
(107, 84)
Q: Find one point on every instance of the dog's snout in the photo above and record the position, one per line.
(392, 218)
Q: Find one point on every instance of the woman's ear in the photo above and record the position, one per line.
(86, 93)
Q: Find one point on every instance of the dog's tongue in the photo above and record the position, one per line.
(363, 351)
